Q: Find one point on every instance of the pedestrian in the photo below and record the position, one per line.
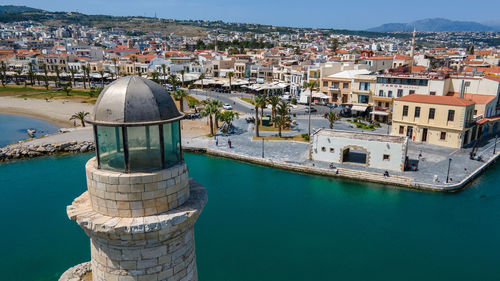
(216, 142)
(229, 143)
(386, 174)
(74, 123)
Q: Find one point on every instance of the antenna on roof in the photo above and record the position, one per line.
(462, 90)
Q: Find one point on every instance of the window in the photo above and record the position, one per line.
(412, 92)
(443, 136)
(432, 112)
(363, 99)
(417, 111)
(332, 150)
(400, 93)
(323, 149)
(345, 85)
(387, 104)
(364, 86)
(432, 93)
(381, 93)
(379, 104)
(325, 83)
(401, 130)
(451, 115)
(389, 94)
(387, 157)
(405, 110)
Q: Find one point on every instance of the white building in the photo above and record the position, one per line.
(360, 148)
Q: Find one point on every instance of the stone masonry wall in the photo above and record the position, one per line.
(172, 259)
(139, 194)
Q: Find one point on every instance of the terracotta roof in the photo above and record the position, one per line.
(488, 119)
(446, 100)
(476, 98)
(379, 58)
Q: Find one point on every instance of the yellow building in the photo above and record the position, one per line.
(361, 92)
(440, 120)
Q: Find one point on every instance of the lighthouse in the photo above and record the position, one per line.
(141, 206)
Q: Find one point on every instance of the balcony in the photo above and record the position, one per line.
(334, 89)
(379, 98)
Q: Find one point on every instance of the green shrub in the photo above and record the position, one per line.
(293, 101)
(305, 136)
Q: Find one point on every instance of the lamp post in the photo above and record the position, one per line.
(262, 148)
(495, 146)
(448, 173)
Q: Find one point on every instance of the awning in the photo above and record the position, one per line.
(359, 108)
(382, 113)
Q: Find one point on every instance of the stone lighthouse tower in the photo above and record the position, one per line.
(140, 207)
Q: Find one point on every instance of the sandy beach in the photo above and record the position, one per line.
(57, 112)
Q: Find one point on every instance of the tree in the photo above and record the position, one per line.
(228, 117)
(262, 105)
(273, 101)
(46, 76)
(163, 69)
(95, 92)
(208, 111)
(155, 76)
(332, 117)
(256, 102)
(311, 86)
(67, 89)
(4, 73)
(202, 76)
(58, 75)
(180, 95)
(217, 105)
(31, 74)
(334, 44)
(133, 58)
(230, 76)
(84, 69)
(72, 71)
(280, 121)
(80, 116)
(101, 72)
(117, 71)
(173, 80)
(182, 72)
(17, 75)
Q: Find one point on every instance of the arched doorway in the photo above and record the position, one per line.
(354, 154)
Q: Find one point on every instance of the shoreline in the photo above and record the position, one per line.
(26, 113)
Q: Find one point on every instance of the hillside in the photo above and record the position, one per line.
(434, 25)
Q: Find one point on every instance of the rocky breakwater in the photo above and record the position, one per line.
(20, 151)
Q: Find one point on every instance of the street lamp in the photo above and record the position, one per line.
(448, 174)
(262, 147)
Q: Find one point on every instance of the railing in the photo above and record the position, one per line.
(334, 88)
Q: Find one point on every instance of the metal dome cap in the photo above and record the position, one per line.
(134, 101)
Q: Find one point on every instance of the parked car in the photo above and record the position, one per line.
(227, 106)
(331, 105)
(312, 110)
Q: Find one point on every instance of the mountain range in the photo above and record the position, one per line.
(436, 25)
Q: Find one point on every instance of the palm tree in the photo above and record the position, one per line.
(46, 76)
(180, 95)
(332, 117)
(262, 105)
(4, 74)
(101, 72)
(17, 75)
(84, 69)
(72, 71)
(154, 76)
(58, 73)
(217, 105)
(209, 111)
(257, 100)
(202, 76)
(230, 76)
(67, 89)
(134, 60)
(173, 80)
(228, 117)
(117, 71)
(31, 73)
(80, 116)
(273, 101)
(311, 86)
(182, 72)
(280, 121)
(163, 69)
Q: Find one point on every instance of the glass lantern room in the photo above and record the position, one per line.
(138, 129)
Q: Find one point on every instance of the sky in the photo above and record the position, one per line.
(345, 14)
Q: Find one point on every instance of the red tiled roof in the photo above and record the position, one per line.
(488, 119)
(476, 98)
(446, 100)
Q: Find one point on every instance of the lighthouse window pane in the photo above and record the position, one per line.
(144, 148)
(110, 143)
(172, 143)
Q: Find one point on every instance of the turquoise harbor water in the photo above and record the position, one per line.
(265, 224)
(14, 128)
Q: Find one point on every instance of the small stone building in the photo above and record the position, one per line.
(367, 149)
